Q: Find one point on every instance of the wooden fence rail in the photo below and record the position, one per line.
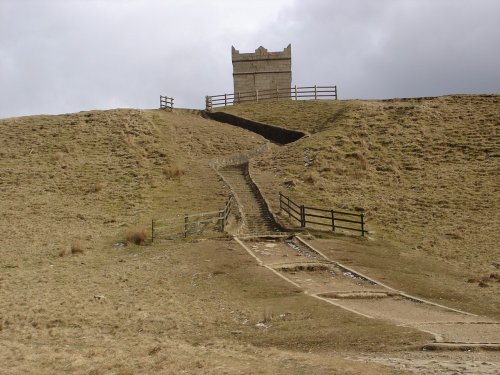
(166, 102)
(208, 224)
(323, 217)
(297, 93)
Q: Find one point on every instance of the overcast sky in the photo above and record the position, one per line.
(59, 56)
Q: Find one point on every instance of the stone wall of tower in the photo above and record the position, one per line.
(262, 70)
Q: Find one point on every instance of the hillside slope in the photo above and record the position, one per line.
(75, 300)
(425, 171)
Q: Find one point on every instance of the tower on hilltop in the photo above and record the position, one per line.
(262, 70)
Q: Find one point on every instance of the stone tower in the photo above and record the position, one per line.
(262, 70)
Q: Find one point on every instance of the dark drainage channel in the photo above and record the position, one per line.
(271, 132)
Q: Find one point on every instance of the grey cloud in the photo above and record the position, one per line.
(60, 56)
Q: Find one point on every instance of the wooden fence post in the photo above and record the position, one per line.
(333, 221)
(302, 216)
(221, 220)
(295, 92)
(185, 225)
(315, 92)
(288, 207)
(225, 100)
(362, 217)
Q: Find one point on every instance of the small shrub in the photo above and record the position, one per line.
(63, 252)
(99, 186)
(267, 316)
(58, 156)
(311, 177)
(137, 235)
(173, 172)
(76, 248)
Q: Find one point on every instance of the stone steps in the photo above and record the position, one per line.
(256, 217)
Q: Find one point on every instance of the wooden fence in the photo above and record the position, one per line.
(297, 93)
(323, 217)
(166, 102)
(208, 224)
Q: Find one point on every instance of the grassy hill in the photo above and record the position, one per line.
(71, 301)
(73, 185)
(425, 171)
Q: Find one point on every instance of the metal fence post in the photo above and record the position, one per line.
(302, 216)
(295, 92)
(333, 221)
(315, 92)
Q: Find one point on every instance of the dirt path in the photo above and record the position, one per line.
(334, 283)
(303, 266)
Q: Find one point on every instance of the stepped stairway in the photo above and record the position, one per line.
(256, 216)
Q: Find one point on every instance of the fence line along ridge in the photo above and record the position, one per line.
(166, 102)
(296, 93)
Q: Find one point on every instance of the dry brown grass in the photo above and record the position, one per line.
(311, 177)
(160, 296)
(425, 171)
(173, 172)
(98, 186)
(58, 156)
(76, 248)
(137, 235)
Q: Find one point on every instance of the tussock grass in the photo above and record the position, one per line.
(137, 235)
(173, 172)
(58, 156)
(99, 186)
(76, 248)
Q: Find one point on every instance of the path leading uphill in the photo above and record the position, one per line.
(308, 269)
(256, 216)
